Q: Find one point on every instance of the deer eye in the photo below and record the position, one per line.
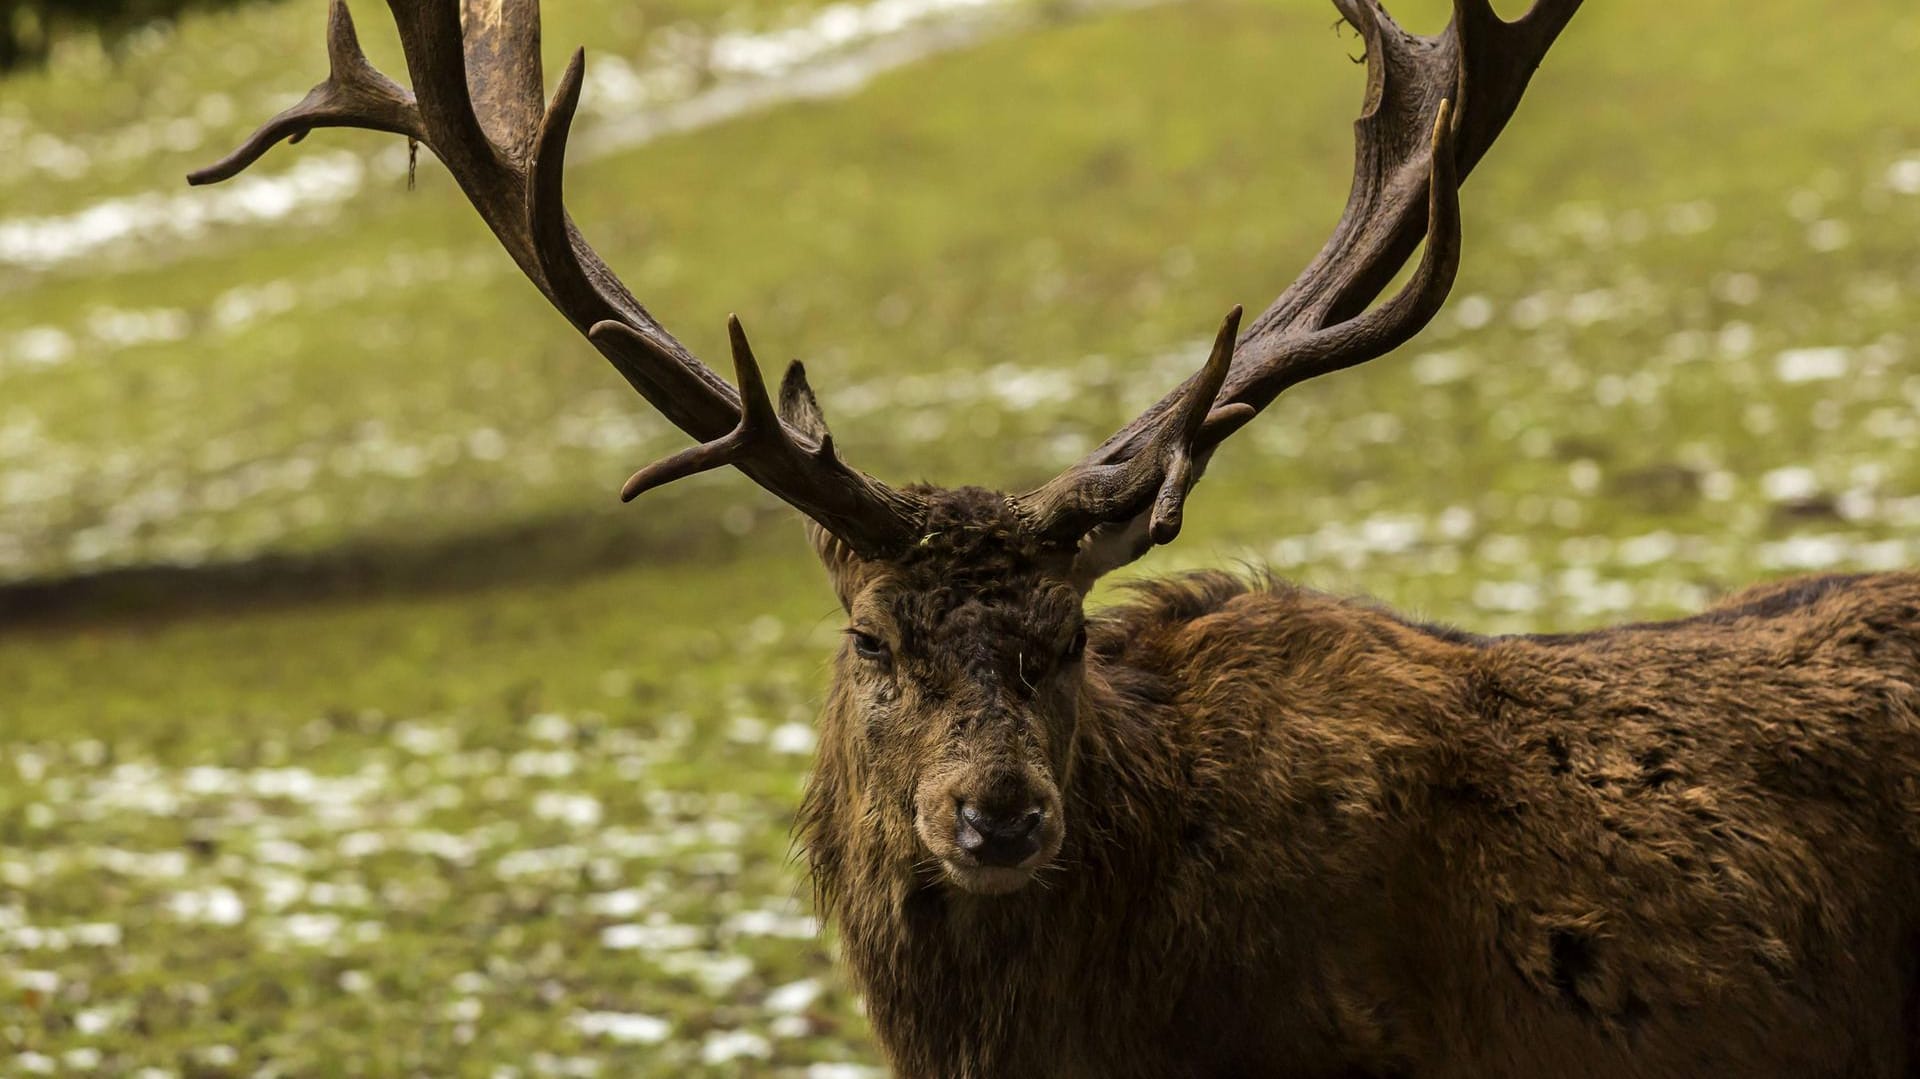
(869, 647)
(1076, 646)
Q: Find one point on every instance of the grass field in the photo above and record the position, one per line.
(348, 725)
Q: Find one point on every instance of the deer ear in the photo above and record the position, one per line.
(848, 572)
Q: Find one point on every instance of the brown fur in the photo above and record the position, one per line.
(1304, 837)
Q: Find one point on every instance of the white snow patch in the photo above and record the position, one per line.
(1812, 364)
(623, 1027)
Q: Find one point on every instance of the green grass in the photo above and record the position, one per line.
(989, 259)
(456, 725)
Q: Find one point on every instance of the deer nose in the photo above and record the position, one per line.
(998, 839)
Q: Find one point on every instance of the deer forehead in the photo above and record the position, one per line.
(1005, 615)
(975, 576)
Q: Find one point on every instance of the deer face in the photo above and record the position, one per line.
(955, 694)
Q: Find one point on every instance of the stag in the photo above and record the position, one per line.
(1234, 827)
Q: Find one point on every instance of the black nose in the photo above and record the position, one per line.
(998, 839)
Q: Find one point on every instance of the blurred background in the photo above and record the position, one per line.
(349, 725)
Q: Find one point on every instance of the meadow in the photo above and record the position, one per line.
(350, 725)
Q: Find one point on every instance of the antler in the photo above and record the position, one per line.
(1434, 105)
(476, 103)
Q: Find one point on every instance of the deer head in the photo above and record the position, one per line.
(957, 692)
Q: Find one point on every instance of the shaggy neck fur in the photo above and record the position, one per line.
(966, 985)
(1305, 838)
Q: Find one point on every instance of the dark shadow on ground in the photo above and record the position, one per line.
(555, 549)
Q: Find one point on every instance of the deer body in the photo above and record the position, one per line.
(1310, 839)
(1253, 831)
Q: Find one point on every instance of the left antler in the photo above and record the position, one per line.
(1434, 105)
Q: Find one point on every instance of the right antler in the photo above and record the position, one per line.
(1434, 106)
(477, 105)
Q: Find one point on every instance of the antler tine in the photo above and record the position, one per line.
(765, 443)
(1072, 503)
(692, 397)
(759, 429)
(1433, 108)
(354, 94)
(476, 103)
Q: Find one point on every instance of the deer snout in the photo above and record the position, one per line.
(998, 838)
(990, 830)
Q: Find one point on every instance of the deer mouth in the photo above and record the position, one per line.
(989, 879)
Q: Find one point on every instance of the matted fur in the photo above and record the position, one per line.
(1305, 837)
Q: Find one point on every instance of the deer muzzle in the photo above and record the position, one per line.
(990, 832)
